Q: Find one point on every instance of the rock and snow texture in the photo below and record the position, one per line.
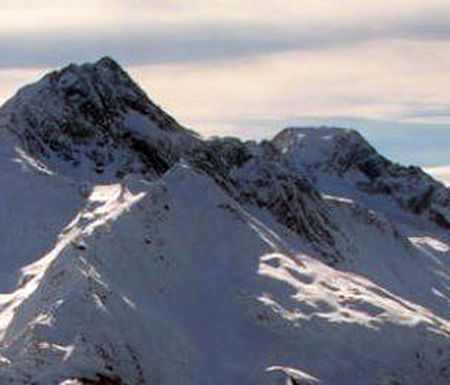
(94, 118)
(342, 161)
(301, 260)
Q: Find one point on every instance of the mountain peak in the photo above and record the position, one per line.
(92, 114)
(108, 62)
(104, 63)
(322, 146)
(325, 152)
(323, 136)
(104, 79)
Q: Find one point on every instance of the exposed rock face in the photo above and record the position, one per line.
(290, 199)
(94, 116)
(251, 174)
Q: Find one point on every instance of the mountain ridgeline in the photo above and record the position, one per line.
(308, 258)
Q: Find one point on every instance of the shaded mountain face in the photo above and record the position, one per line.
(93, 117)
(325, 153)
(137, 252)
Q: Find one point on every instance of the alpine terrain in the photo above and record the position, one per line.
(136, 252)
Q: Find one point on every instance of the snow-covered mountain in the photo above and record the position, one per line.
(136, 252)
(94, 119)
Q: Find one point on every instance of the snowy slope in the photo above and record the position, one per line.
(135, 252)
(35, 206)
(398, 214)
(204, 311)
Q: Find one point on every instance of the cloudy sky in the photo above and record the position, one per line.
(252, 67)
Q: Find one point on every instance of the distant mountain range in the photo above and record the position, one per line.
(136, 252)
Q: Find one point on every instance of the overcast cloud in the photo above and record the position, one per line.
(190, 40)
